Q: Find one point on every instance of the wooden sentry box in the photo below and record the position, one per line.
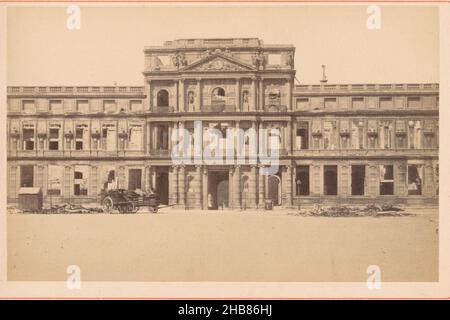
(30, 199)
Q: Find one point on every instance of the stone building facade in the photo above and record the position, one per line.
(345, 143)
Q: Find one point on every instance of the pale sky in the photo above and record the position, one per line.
(109, 46)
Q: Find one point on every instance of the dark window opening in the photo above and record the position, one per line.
(330, 180)
(302, 181)
(162, 98)
(26, 176)
(358, 180)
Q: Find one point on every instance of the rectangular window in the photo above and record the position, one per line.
(83, 106)
(358, 180)
(81, 136)
(330, 103)
(386, 103)
(302, 103)
(357, 134)
(109, 137)
(162, 137)
(135, 137)
(80, 182)
(302, 136)
(329, 135)
(135, 105)
(386, 180)
(110, 106)
(415, 179)
(414, 102)
(55, 177)
(108, 177)
(56, 106)
(53, 139)
(27, 176)
(415, 134)
(28, 106)
(28, 137)
(302, 181)
(357, 102)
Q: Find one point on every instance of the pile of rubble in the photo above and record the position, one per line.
(60, 209)
(371, 210)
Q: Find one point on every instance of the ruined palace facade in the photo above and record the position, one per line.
(345, 143)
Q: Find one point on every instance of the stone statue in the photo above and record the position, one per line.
(259, 60)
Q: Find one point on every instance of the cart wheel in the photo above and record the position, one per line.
(108, 204)
(153, 209)
(134, 208)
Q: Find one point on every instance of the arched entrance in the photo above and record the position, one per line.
(222, 194)
(274, 189)
(217, 197)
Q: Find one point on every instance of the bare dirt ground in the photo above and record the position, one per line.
(222, 246)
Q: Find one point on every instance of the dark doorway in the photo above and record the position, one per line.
(27, 176)
(134, 179)
(358, 178)
(302, 181)
(162, 187)
(330, 180)
(273, 193)
(218, 197)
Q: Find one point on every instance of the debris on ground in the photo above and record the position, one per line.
(60, 208)
(371, 210)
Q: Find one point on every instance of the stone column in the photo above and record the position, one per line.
(288, 143)
(175, 105)
(182, 187)
(205, 188)
(172, 144)
(261, 187)
(198, 187)
(238, 94)
(261, 95)
(230, 188)
(294, 136)
(148, 132)
(287, 182)
(174, 186)
(148, 103)
(252, 187)
(182, 96)
(237, 187)
(148, 177)
(198, 103)
(289, 95)
(253, 106)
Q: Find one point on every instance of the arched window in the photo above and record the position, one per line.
(162, 98)
(218, 94)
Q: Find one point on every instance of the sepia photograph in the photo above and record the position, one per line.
(238, 143)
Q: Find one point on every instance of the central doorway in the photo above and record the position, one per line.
(218, 197)
(274, 189)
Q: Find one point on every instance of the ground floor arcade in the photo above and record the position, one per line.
(212, 187)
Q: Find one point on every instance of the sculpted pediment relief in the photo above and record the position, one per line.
(218, 62)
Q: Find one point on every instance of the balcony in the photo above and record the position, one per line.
(218, 108)
(160, 152)
(365, 152)
(275, 108)
(74, 153)
(167, 109)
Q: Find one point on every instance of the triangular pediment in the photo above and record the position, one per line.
(218, 62)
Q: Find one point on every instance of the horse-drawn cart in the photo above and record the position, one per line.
(126, 201)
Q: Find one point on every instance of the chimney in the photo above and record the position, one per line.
(324, 77)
